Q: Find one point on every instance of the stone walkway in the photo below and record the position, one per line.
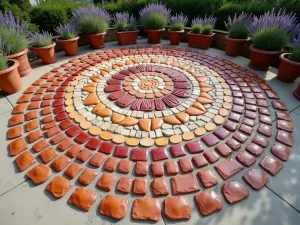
(193, 125)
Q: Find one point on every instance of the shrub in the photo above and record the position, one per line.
(3, 56)
(68, 31)
(238, 26)
(238, 32)
(178, 21)
(39, 40)
(205, 25)
(155, 16)
(91, 20)
(123, 22)
(131, 27)
(207, 29)
(270, 39)
(196, 29)
(295, 55)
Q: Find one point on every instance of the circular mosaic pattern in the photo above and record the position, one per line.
(104, 119)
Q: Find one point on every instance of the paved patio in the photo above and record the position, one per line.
(22, 202)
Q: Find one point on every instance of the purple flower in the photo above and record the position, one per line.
(178, 18)
(285, 22)
(207, 20)
(155, 8)
(67, 31)
(243, 19)
(90, 11)
(8, 21)
(121, 17)
(296, 41)
(42, 39)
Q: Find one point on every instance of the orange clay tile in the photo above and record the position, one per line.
(39, 174)
(177, 208)
(73, 170)
(146, 208)
(83, 198)
(34, 136)
(59, 186)
(47, 155)
(16, 120)
(32, 125)
(25, 160)
(17, 146)
(87, 176)
(159, 187)
(145, 124)
(106, 182)
(129, 121)
(15, 132)
(124, 185)
(60, 163)
(140, 186)
(113, 206)
(172, 120)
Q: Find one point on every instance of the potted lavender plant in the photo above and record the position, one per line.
(154, 17)
(238, 33)
(289, 68)
(92, 21)
(43, 46)
(14, 37)
(125, 26)
(69, 38)
(201, 35)
(176, 31)
(10, 81)
(271, 32)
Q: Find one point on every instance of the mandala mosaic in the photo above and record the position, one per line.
(151, 122)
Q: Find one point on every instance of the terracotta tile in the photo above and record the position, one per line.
(210, 140)
(233, 144)
(52, 131)
(199, 160)
(228, 168)
(106, 182)
(20, 108)
(254, 149)
(97, 159)
(15, 132)
(39, 174)
(93, 143)
(25, 160)
(146, 208)
(141, 168)
(281, 151)
(113, 206)
(47, 126)
(73, 170)
(285, 138)
(47, 155)
(73, 131)
(65, 124)
(159, 187)
(74, 151)
(59, 186)
(34, 136)
(111, 164)
(16, 120)
(211, 156)
(265, 130)
(207, 178)
(245, 158)
(177, 208)
(125, 166)
(208, 202)
(17, 146)
(65, 144)
(82, 137)
(87, 176)
(157, 169)
(58, 138)
(261, 141)
(84, 155)
(265, 119)
(159, 154)
(231, 126)
(177, 150)
(256, 178)
(140, 186)
(171, 167)
(121, 151)
(48, 119)
(106, 147)
(139, 154)
(182, 184)
(60, 163)
(223, 149)
(284, 125)
(186, 165)
(234, 191)
(271, 164)
(283, 116)
(83, 198)
(124, 185)
(194, 147)
(240, 137)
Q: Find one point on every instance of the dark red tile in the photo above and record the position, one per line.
(283, 116)
(240, 137)
(223, 149)
(233, 144)
(248, 122)
(246, 129)
(245, 158)
(106, 147)
(199, 160)
(159, 154)
(177, 150)
(73, 131)
(260, 140)
(231, 126)
(271, 164)
(139, 154)
(279, 105)
(284, 125)
(194, 147)
(281, 151)
(265, 119)
(254, 149)
(228, 168)
(221, 133)
(285, 138)
(65, 124)
(211, 156)
(121, 151)
(210, 140)
(256, 178)
(93, 143)
(82, 137)
(234, 117)
(265, 130)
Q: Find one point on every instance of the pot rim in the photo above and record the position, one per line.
(154, 30)
(18, 54)
(69, 40)
(202, 35)
(283, 58)
(50, 46)
(11, 68)
(98, 34)
(172, 31)
(252, 48)
(237, 40)
(127, 31)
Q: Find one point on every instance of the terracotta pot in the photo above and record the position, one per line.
(175, 37)
(10, 81)
(233, 46)
(47, 54)
(154, 36)
(24, 65)
(200, 40)
(96, 40)
(127, 37)
(70, 46)
(288, 70)
(297, 92)
(262, 60)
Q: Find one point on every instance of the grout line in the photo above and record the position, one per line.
(283, 199)
(13, 188)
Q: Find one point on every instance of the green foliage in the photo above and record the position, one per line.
(131, 27)
(154, 21)
(196, 29)
(238, 32)
(177, 27)
(207, 29)
(92, 25)
(120, 26)
(3, 62)
(295, 55)
(270, 39)
(13, 41)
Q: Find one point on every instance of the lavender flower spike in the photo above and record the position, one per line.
(207, 20)
(243, 19)
(296, 41)
(155, 8)
(179, 18)
(8, 21)
(90, 11)
(121, 17)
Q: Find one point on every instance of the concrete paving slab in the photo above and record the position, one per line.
(4, 103)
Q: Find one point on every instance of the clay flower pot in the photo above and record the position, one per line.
(297, 92)
(24, 65)
(262, 60)
(200, 40)
(288, 70)
(10, 81)
(175, 36)
(233, 46)
(70, 46)
(127, 37)
(154, 36)
(47, 54)
(96, 40)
